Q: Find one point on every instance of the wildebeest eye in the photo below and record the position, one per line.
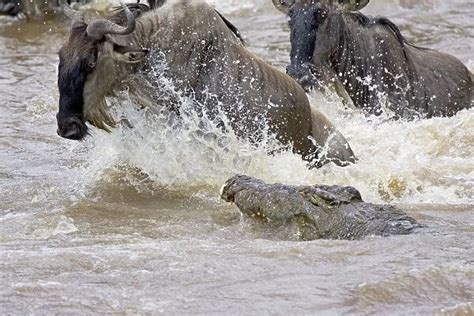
(321, 14)
(92, 61)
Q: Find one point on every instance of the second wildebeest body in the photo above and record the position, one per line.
(372, 61)
(205, 59)
(318, 211)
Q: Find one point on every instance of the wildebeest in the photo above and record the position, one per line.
(369, 60)
(205, 59)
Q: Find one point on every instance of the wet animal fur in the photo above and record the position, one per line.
(373, 62)
(205, 56)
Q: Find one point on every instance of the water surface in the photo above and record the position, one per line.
(131, 222)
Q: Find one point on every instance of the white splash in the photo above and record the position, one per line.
(425, 161)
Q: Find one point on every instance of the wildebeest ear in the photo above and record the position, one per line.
(353, 5)
(283, 5)
(129, 54)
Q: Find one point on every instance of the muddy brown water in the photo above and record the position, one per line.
(131, 223)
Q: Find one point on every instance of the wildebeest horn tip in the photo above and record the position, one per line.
(77, 17)
(98, 28)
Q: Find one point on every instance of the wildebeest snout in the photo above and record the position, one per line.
(72, 127)
(303, 74)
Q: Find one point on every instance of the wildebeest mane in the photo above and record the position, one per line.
(369, 21)
(118, 14)
(155, 3)
(231, 27)
(138, 9)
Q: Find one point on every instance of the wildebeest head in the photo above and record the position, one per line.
(305, 17)
(344, 5)
(90, 63)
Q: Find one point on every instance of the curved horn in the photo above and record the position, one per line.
(98, 28)
(77, 17)
(283, 5)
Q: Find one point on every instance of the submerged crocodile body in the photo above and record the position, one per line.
(318, 211)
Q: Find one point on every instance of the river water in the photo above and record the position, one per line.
(131, 223)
